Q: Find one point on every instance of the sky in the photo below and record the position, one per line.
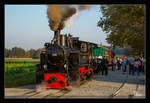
(26, 26)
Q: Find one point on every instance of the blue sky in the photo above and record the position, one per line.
(26, 26)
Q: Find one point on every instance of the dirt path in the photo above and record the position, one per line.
(115, 85)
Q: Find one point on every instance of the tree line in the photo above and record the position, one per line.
(17, 52)
(124, 25)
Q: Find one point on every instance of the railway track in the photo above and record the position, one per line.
(32, 93)
(55, 94)
(128, 87)
(119, 89)
(136, 90)
(116, 92)
(62, 92)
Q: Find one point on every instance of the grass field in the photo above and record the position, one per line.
(19, 73)
(20, 59)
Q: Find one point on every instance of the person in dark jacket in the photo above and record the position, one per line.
(104, 66)
(99, 67)
(140, 67)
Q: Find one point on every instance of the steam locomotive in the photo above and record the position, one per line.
(67, 60)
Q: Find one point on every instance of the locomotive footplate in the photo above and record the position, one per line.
(55, 80)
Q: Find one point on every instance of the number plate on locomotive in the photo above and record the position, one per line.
(54, 54)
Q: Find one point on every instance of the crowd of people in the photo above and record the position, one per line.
(129, 64)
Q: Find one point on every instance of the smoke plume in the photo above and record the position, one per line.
(59, 14)
(70, 22)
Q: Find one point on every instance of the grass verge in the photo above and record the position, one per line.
(19, 74)
(19, 79)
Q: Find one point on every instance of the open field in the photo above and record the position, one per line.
(20, 59)
(19, 73)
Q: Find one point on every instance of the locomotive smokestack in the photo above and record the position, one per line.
(62, 40)
(57, 37)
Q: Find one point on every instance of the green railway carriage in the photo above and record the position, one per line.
(102, 51)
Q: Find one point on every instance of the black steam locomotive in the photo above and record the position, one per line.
(65, 62)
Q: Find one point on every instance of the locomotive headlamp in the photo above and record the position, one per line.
(45, 66)
(65, 66)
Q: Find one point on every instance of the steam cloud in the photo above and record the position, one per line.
(59, 14)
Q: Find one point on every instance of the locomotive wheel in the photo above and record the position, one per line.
(83, 77)
(68, 82)
(88, 74)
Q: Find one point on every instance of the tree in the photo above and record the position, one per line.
(27, 54)
(31, 53)
(38, 51)
(17, 52)
(125, 25)
(7, 52)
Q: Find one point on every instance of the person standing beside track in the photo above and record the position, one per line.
(141, 61)
(104, 65)
(123, 63)
(120, 60)
(131, 62)
(142, 66)
(126, 66)
(118, 64)
(113, 64)
(137, 63)
(99, 67)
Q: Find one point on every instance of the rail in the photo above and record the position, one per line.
(122, 85)
(56, 94)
